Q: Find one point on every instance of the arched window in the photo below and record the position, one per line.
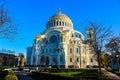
(74, 42)
(70, 59)
(72, 35)
(77, 59)
(79, 36)
(54, 23)
(62, 23)
(65, 23)
(77, 50)
(54, 60)
(34, 60)
(42, 60)
(61, 59)
(70, 50)
(91, 60)
(57, 23)
(90, 35)
(76, 35)
(47, 60)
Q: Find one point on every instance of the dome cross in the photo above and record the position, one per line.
(59, 11)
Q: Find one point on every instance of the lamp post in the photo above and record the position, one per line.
(118, 62)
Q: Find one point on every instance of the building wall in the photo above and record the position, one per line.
(28, 59)
(77, 59)
(8, 59)
(1, 60)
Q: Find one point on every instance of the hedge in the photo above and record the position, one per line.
(8, 75)
(69, 70)
(11, 77)
(3, 67)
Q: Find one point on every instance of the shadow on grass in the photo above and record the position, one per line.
(82, 74)
(44, 76)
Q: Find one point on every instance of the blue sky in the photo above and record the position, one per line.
(31, 17)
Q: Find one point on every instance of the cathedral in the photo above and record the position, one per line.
(59, 45)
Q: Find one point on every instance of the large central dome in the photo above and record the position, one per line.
(59, 20)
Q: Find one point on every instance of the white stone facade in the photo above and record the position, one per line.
(60, 45)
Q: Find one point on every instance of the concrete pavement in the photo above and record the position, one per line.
(111, 75)
(23, 75)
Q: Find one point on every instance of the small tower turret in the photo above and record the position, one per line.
(90, 36)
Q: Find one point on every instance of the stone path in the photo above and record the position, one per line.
(111, 75)
(23, 75)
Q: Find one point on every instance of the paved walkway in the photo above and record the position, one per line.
(23, 75)
(111, 75)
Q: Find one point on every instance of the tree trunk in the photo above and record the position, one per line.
(99, 63)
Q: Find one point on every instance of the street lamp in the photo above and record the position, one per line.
(118, 62)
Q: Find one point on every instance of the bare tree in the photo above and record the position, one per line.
(101, 35)
(105, 60)
(7, 29)
(113, 45)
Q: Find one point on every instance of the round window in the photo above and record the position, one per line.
(53, 39)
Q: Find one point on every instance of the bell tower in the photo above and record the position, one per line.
(90, 36)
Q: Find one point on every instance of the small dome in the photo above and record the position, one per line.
(63, 34)
(59, 19)
(90, 31)
(38, 37)
(78, 34)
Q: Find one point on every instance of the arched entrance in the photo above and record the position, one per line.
(42, 60)
(47, 61)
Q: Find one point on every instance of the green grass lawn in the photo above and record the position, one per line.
(72, 74)
(66, 74)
